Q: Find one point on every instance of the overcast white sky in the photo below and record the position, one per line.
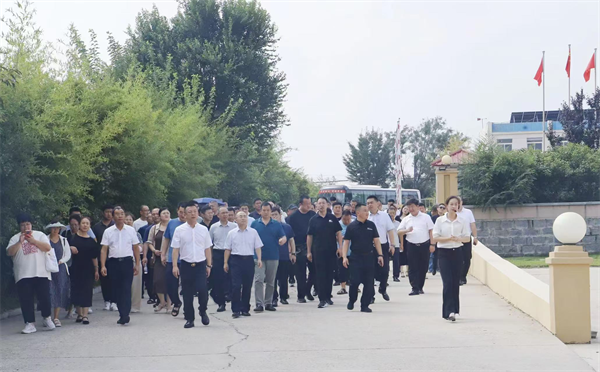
(352, 65)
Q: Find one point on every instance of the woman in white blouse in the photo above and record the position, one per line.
(450, 232)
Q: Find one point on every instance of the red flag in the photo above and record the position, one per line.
(538, 74)
(590, 66)
(568, 68)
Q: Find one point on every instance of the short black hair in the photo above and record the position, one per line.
(391, 201)
(117, 208)
(74, 209)
(336, 203)
(255, 200)
(302, 197)
(354, 200)
(205, 208)
(182, 205)
(231, 209)
(346, 213)
(358, 206)
(244, 205)
(373, 197)
(276, 209)
(412, 202)
(75, 217)
(421, 204)
(24, 217)
(105, 207)
(333, 199)
(322, 197)
(160, 210)
(130, 215)
(266, 204)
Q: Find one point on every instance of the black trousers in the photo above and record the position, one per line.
(120, 272)
(281, 280)
(242, 277)
(450, 261)
(418, 263)
(193, 280)
(362, 272)
(311, 280)
(27, 288)
(396, 269)
(218, 277)
(467, 253)
(172, 285)
(342, 271)
(382, 273)
(300, 272)
(106, 287)
(149, 283)
(325, 264)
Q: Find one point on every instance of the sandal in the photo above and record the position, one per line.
(159, 308)
(175, 310)
(57, 322)
(85, 320)
(79, 319)
(342, 291)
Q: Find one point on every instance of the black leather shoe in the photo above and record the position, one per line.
(259, 309)
(245, 313)
(301, 301)
(270, 308)
(372, 300)
(309, 297)
(329, 302)
(322, 304)
(221, 308)
(350, 306)
(421, 291)
(227, 298)
(205, 318)
(366, 310)
(189, 324)
(396, 279)
(414, 293)
(434, 272)
(284, 302)
(235, 315)
(275, 304)
(385, 296)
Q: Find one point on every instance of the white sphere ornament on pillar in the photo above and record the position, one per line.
(446, 160)
(569, 228)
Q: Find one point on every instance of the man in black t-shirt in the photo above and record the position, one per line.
(362, 236)
(323, 238)
(299, 223)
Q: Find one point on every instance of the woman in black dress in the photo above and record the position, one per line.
(84, 269)
(154, 243)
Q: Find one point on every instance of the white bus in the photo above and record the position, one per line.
(347, 193)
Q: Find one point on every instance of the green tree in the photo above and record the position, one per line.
(424, 143)
(370, 161)
(231, 46)
(580, 124)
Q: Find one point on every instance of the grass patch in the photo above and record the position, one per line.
(537, 261)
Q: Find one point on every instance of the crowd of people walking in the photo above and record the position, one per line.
(221, 252)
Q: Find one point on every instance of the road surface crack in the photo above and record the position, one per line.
(243, 338)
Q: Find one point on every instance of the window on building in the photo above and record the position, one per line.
(534, 143)
(505, 144)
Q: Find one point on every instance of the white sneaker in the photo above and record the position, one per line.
(106, 305)
(134, 311)
(48, 323)
(90, 311)
(113, 307)
(29, 328)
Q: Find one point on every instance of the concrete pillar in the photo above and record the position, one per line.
(570, 317)
(446, 184)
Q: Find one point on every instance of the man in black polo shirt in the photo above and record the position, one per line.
(361, 235)
(299, 223)
(323, 238)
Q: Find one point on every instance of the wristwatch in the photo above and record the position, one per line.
(293, 254)
(209, 266)
(379, 255)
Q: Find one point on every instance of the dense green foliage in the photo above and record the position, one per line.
(580, 124)
(370, 161)
(564, 174)
(81, 131)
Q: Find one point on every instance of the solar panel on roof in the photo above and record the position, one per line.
(533, 116)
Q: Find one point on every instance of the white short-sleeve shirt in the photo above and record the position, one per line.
(218, 234)
(444, 228)
(120, 242)
(191, 242)
(243, 242)
(30, 261)
(467, 215)
(421, 224)
(384, 224)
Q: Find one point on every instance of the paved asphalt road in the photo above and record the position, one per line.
(405, 334)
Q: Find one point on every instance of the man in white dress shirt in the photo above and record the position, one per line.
(385, 228)
(467, 248)
(143, 220)
(418, 229)
(241, 245)
(192, 241)
(219, 279)
(120, 244)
